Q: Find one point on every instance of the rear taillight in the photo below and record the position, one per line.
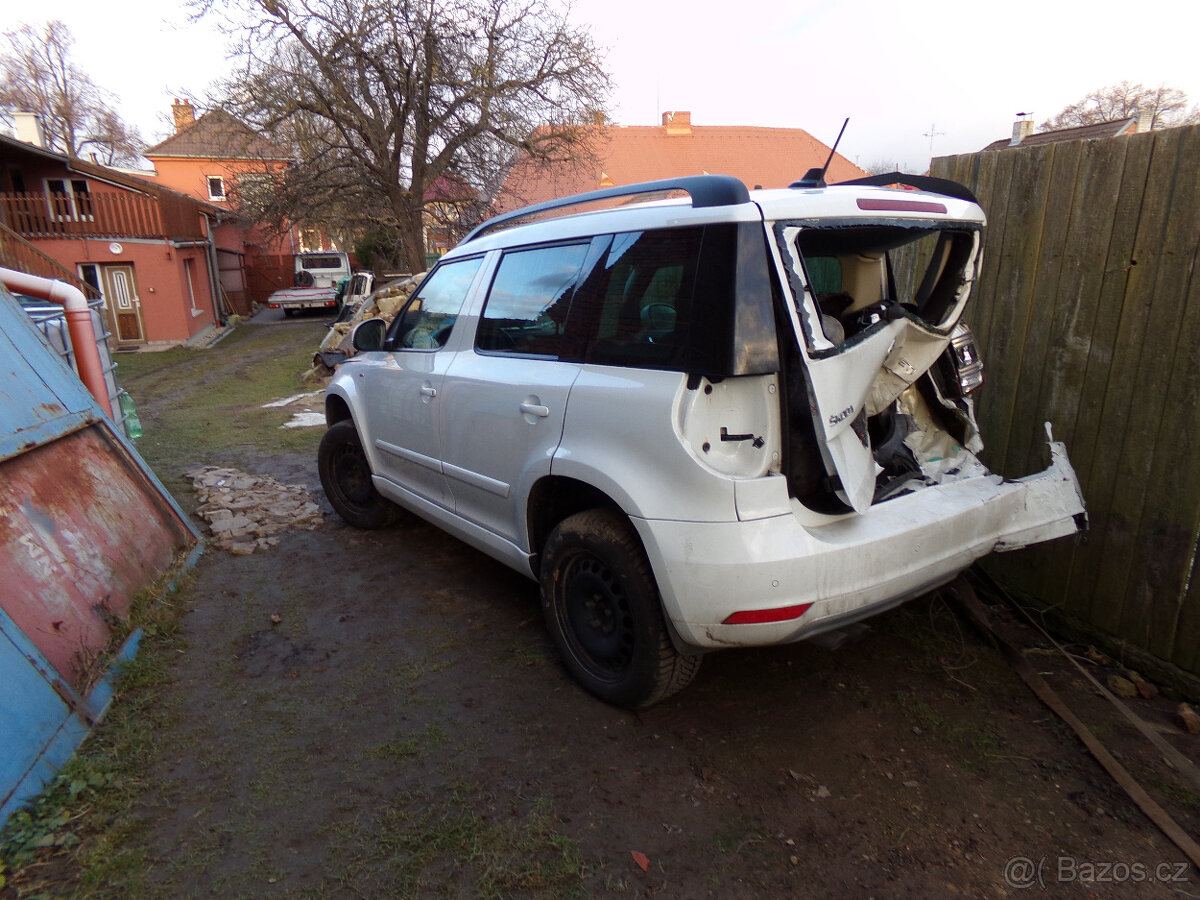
(965, 363)
(759, 616)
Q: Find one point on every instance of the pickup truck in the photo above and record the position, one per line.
(320, 280)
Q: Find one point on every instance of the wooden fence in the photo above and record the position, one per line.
(1088, 314)
(266, 274)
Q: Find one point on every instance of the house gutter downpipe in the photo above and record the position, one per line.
(79, 325)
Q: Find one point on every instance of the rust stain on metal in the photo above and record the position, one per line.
(81, 531)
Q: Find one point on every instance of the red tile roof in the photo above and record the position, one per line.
(759, 157)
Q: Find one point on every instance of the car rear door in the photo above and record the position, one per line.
(506, 396)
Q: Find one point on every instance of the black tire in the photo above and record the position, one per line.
(346, 478)
(304, 278)
(604, 614)
(288, 312)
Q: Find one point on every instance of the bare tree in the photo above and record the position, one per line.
(397, 109)
(1167, 105)
(37, 75)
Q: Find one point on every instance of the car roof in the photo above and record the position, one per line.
(617, 210)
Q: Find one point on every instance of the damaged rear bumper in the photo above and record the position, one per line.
(853, 567)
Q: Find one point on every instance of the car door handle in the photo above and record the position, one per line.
(535, 409)
(428, 391)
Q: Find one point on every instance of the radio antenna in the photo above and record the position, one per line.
(816, 177)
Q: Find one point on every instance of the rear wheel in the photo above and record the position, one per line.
(603, 611)
(346, 478)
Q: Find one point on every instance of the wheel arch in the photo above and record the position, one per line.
(336, 409)
(556, 497)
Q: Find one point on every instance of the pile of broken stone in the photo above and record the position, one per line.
(245, 512)
(384, 304)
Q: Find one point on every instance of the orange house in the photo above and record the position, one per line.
(150, 252)
(218, 159)
(620, 155)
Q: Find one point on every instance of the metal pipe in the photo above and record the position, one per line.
(79, 325)
(214, 270)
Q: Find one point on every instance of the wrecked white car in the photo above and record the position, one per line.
(719, 420)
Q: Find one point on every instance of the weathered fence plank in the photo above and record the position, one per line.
(1153, 448)
(1124, 467)
(1079, 326)
(1015, 280)
(1026, 440)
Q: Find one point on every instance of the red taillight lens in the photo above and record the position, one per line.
(758, 616)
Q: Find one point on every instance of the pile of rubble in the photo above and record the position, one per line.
(244, 512)
(383, 304)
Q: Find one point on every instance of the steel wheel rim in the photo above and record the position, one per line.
(353, 476)
(598, 618)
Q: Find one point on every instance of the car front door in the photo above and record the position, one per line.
(401, 391)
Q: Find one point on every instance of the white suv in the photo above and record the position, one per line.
(718, 420)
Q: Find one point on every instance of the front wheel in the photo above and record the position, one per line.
(346, 478)
(604, 614)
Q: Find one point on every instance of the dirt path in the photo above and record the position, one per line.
(381, 714)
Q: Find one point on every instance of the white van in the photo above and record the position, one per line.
(717, 420)
(320, 268)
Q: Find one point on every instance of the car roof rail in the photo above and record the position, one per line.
(943, 186)
(705, 191)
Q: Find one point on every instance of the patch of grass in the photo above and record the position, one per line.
(458, 844)
(975, 747)
(194, 414)
(406, 746)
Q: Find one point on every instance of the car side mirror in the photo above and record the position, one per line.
(368, 335)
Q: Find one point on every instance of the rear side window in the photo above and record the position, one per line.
(527, 305)
(695, 300)
(646, 297)
(429, 317)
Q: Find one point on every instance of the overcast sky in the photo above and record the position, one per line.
(954, 74)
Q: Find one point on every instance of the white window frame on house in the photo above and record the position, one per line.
(220, 182)
(67, 202)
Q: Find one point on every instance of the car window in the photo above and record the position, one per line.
(429, 317)
(640, 300)
(527, 305)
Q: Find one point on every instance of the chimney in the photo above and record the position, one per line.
(1022, 128)
(1145, 121)
(29, 128)
(677, 122)
(184, 114)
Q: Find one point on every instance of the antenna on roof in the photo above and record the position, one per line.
(816, 177)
